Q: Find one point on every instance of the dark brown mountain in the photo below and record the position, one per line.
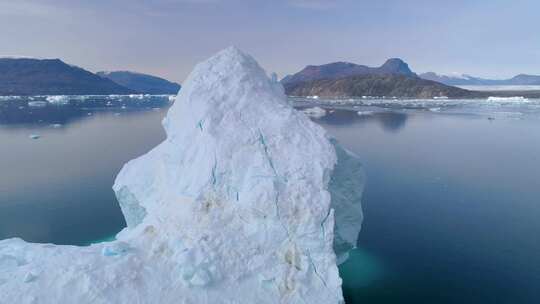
(26, 76)
(393, 66)
(378, 85)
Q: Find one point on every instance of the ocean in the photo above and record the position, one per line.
(451, 204)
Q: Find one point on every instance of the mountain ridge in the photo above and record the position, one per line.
(388, 85)
(141, 82)
(342, 69)
(30, 76)
(520, 79)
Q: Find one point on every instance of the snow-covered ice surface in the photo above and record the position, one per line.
(244, 202)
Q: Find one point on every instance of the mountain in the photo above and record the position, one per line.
(377, 85)
(393, 66)
(142, 83)
(27, 76)
(454, 79)
(521, 79)
(524, 79)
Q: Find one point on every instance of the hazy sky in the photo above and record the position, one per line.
(490, 38)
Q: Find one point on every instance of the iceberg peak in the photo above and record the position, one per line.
(237, 205)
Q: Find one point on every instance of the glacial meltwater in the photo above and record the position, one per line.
(451, 204)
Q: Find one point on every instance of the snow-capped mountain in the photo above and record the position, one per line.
(463, 79)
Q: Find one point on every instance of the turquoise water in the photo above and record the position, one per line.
(57, 188)
(451, 203)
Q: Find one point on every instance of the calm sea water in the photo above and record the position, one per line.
(452, 201)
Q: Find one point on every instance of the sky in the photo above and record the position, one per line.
(487, 38)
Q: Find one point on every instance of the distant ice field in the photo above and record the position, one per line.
(493, 107)
(501, 87)
(315, 107)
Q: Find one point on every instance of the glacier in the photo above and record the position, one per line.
(246, 201)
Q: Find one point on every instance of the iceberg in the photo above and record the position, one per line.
(315, 112)
(507, 99)
(365, 113)
(58, 99)
(246, 201)
(37, 104)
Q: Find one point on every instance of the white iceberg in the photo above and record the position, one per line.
(365, 113)
(237, 205)
(58, 99)
(508, 99)
(37, 104)
(315, 112)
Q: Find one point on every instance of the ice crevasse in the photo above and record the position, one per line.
(246, 201)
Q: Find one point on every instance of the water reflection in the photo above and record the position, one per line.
(392, 121)
(58, 188)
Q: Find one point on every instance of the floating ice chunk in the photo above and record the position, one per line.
(56, 126)
(315, 112)
(58, 99)
(34, 136)
(364, 113)
(508, 99)
(136, 96)
(37, 104)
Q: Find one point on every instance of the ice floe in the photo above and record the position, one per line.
(315, 112)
